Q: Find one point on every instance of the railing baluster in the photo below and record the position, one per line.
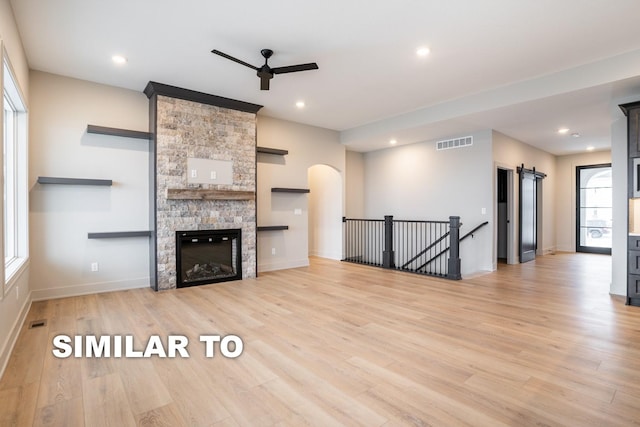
(361, 254)
(366, 248)
(359, 242)
(378, 243)
(370, 248)
(374, 246)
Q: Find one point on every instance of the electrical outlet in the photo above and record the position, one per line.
(94, 266)
(297, 211)
(214, 175)
(483, 211)
(194, 173)
(273, 251)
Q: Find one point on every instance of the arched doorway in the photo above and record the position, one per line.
(325, 212)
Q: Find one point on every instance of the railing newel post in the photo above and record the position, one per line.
(453, 271)
(388, 256)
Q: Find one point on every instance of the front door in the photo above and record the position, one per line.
(594, 212)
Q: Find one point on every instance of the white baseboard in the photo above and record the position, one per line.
(328, 255)
(262, 268)
(89, 288)
(13, 335)
(476, 274)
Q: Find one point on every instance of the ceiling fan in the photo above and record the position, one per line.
(265, 72)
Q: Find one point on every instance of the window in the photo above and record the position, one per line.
(10, 249)
(15, 176)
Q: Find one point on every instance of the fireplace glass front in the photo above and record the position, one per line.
(208, 256)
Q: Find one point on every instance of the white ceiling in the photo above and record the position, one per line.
(524, 68)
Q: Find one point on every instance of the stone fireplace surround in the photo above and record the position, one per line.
(187, 124)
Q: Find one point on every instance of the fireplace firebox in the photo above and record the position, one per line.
(208, 256)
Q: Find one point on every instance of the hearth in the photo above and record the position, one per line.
(208, 256)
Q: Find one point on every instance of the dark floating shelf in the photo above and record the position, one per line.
(272, 227)
(276, 151)
(73, 181)
(119, 234)
(102, 130)
(290, 190)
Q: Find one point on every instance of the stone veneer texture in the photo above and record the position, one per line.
(187, 129)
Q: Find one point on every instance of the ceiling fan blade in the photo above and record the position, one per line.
(224, 55)
(264, 83)
(295, 68)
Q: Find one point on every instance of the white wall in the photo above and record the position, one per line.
(566, 195)
(307, 146)
(15, 297)
(354, 185)
(325, 215)
(13, 45)
(619, 241)
(61, 216)
(417, 182)
(510, 153)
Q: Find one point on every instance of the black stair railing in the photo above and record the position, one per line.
(363, 241)
(417, 241)
(444, 251)
(414, 246)
(425, 251)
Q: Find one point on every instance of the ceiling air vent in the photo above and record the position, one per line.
(465, 141)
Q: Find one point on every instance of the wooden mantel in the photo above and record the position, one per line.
(202, 194)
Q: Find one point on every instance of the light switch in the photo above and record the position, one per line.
(214, 175)
(297, 211)
(194, 173)
(483, 211)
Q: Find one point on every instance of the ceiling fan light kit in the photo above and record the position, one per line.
(265, 72)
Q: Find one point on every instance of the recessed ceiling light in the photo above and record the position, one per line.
(423, 51)
(393, 142)
(591, 148)
(575, 135)
(300, 104)
(119, 59)
(563, 130)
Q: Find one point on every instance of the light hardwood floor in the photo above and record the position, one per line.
(339, 344)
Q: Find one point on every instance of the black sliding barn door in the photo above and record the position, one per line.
(528, 212)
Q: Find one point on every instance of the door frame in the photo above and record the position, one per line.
(512, 220)
(579, 247)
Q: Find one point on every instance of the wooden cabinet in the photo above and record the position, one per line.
(633, 273)
(633, 257)
(633, 289)
(633, 120)
(632, 111)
